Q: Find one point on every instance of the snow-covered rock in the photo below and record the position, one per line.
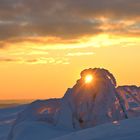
(131, 97)
(87, 105)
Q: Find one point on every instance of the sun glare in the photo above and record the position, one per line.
(88, 78)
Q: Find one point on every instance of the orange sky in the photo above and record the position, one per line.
(42, 53)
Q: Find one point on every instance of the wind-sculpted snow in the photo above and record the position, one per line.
(40, 110)
(84, 105)
(7, 118)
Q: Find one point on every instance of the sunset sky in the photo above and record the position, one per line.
(45, 44)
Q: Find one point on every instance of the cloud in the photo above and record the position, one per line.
(66, 19)
(38, 60)
(3, 59)
(107, 8)
(47, 60)
(80, 53)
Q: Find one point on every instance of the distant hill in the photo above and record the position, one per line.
(13, 103)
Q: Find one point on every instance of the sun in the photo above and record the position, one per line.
(88, 78)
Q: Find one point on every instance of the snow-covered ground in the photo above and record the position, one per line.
(7, 117)
(128, 129)
(123, 130)
(28, 130)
